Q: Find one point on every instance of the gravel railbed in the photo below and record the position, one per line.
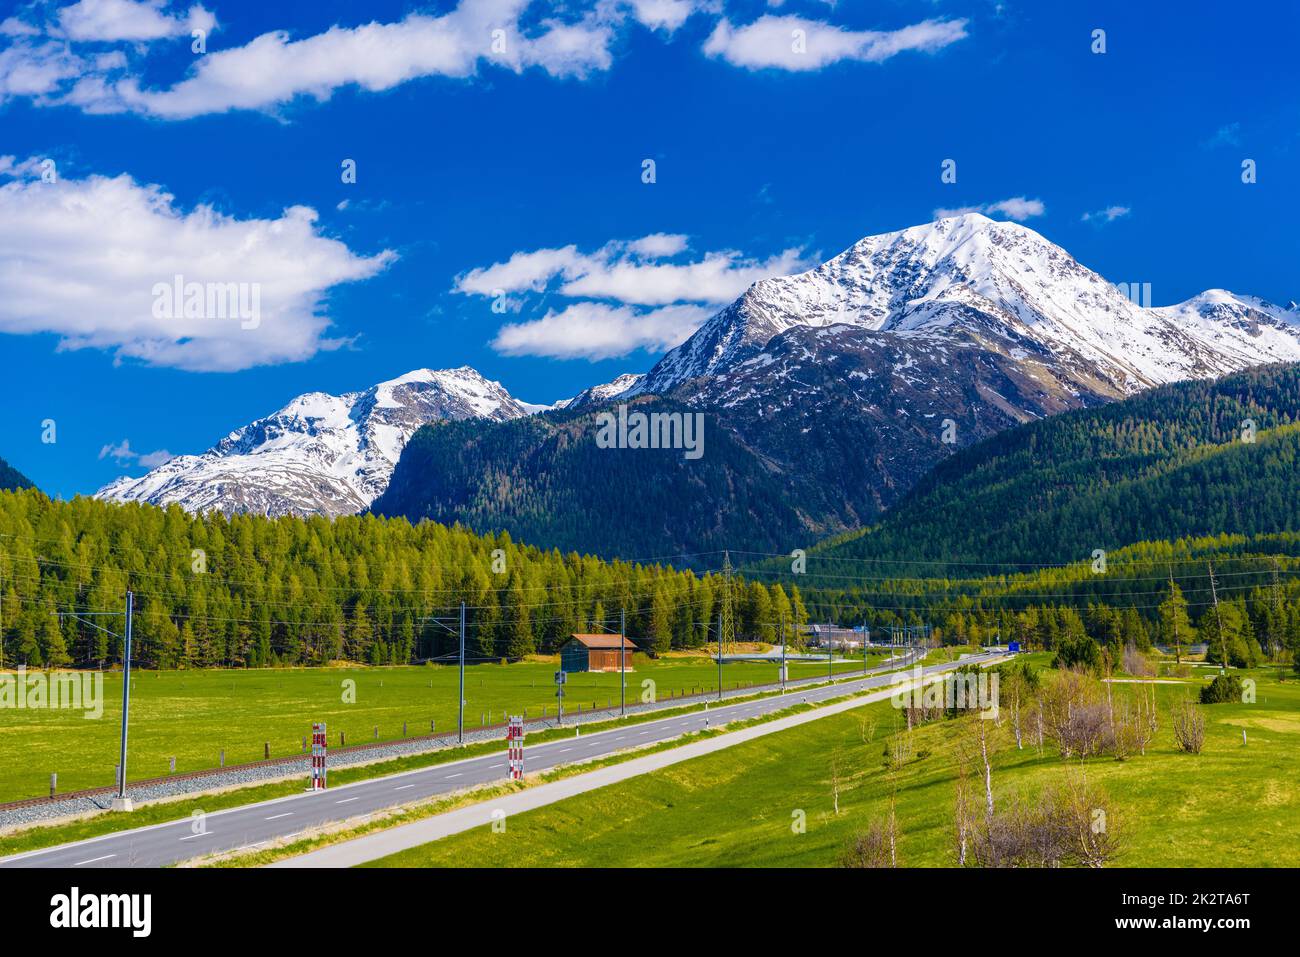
(221, 778)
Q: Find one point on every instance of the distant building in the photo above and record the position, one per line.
(595, 653)
(833, 636)
(1198, 648)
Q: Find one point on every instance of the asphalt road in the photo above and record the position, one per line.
(252, 825)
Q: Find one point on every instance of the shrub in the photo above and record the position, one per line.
(1224, 688)
(1070, 825)
(873, 847)
(1137, 664)
(1077, 651)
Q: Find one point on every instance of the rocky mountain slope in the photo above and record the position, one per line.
(1196, 458)
(848, 383)
(834, 390)
(321, 454)
(1004, 287)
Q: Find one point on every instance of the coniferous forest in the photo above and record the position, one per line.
(252, 591)
(1196, 458)
(1104, 524)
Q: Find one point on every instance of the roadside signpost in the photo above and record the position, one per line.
(515, 748)
(560, 678)
(318, 749)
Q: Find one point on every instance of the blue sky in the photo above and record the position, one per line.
(765, 159)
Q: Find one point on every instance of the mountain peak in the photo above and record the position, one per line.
(320, 453)
(625, 385)
(1001, 284)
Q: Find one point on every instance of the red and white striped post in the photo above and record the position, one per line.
(318, 748)
(515, 744)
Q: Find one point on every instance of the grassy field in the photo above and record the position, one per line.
(194, 715)
(1232, 805)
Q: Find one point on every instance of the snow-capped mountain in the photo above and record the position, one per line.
(320, 454)
(605, 392)
(856, 378)
(1000, 285)
(837, 388)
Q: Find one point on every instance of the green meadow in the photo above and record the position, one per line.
(1233, 805)
(194, 715)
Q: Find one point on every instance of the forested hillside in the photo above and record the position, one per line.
(11, 478)
(1148, 593)
(544, 479)
(1196, 458)
(248, 591)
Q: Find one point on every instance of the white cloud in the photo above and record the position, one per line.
(630, 272)
(522, 271)
(1107, 215)
(273, 69)
(717, 278)
(666, 15)
(49, 62)
(137, 20)
(14, 27)
(151, 460)
(658, 245)
(629, 296)
(795, 43)
(120, 452)
(597, 330)
(84, 260)
(37, 68)
(1017, 207)
(123, 454)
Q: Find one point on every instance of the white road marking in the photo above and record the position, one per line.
(193, 836)
(276, 817)
(348, 800)
(456, 775)
(403, 787)
(94, 860)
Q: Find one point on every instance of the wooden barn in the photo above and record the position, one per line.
(595, 653)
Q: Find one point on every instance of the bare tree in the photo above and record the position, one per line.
(1136, 663)
(963, 803)
(1073, 715)
(1188, 721)
(867, 729)
(1092, 822)
(1015, 689)
(988, 767)
(837, 761)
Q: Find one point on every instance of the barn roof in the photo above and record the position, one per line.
(604, 641)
